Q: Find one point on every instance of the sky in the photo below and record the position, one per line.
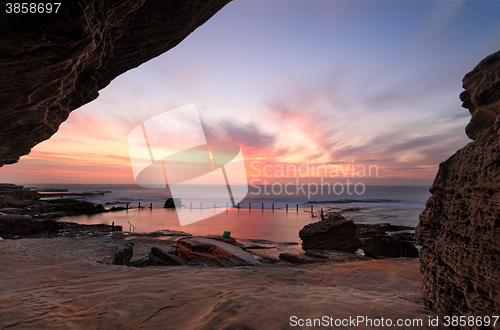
(293, 82)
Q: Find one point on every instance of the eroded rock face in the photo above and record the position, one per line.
(482, 95)
(460, 230)
(334, 232)
(52, 64)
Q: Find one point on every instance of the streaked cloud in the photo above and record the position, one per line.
(334, 82)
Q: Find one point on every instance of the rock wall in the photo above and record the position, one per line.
(460, 226)
(52, 64)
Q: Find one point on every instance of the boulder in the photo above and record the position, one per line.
(118, 253)
(71, 207)
(170, 203)
(158, 257)
(214, 253)
(196, 263)
(334, 232)
(386, 246)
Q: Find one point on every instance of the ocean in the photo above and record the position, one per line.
(398, 205)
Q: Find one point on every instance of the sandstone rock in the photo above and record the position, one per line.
(332, 233)
(214, 253)
(72, 229)
(482, 95)
(54, 64)
(160, 258)
(117, 208)
(230, 240)
(267, 256)
(336, 256)
(459, 231)
(258, 244)
(118, 253)
(170, 203)
(196, 263)
(369, 230)
(26, 201)
(17, 192)
(387, 246)
(141, 262)
(13, 202)
(123, 255)
(300, 258)
(71, 207)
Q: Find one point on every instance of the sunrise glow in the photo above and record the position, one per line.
(331, 83)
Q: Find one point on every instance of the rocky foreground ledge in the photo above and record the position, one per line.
(81, 283)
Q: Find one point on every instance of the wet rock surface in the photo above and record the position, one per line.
(170, 203)
(23, 212)
(15, 199)
(47, 283)
(386, 246)
(300, 258)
